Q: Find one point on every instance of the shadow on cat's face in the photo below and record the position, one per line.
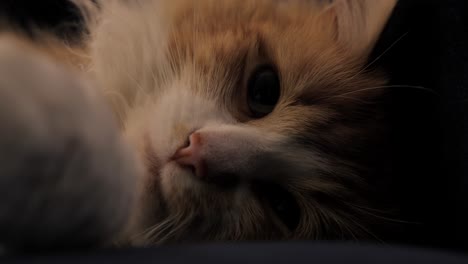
(252, 118)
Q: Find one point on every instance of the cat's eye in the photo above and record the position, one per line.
(282, 203)
(263, 91)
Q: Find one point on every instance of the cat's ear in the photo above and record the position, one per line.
(358, 23)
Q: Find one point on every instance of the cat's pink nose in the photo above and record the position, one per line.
(191, 156)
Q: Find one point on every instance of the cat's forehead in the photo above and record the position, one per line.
(209, 17)
(223, 33)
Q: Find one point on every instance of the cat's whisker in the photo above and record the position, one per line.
(148, 232)
(321, 214)
(159, 235)
(342, 224)
(348, 231)
(163, 231)
(366, 230)
(358, 100)
(160, 227)
(141, 90)
(154, 78)
(331, 219)
(172, 232)
(375, 213)
(421, 88)
(380, 56)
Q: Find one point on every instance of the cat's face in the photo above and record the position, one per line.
(245, 114)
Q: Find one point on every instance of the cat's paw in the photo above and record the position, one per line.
(66, 178)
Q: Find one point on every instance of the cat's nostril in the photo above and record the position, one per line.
(190, 155)
(186, 143)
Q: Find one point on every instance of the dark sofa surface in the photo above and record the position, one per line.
(429, 48)
(255, 253)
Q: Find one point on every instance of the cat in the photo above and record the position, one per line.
(176, 121)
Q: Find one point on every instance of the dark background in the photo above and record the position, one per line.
(429, 130)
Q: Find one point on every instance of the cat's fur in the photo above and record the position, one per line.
(171, 68)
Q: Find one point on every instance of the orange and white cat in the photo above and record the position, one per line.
(230, 120)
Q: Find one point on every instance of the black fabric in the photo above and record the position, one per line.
(426, 44)
(270, 253)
